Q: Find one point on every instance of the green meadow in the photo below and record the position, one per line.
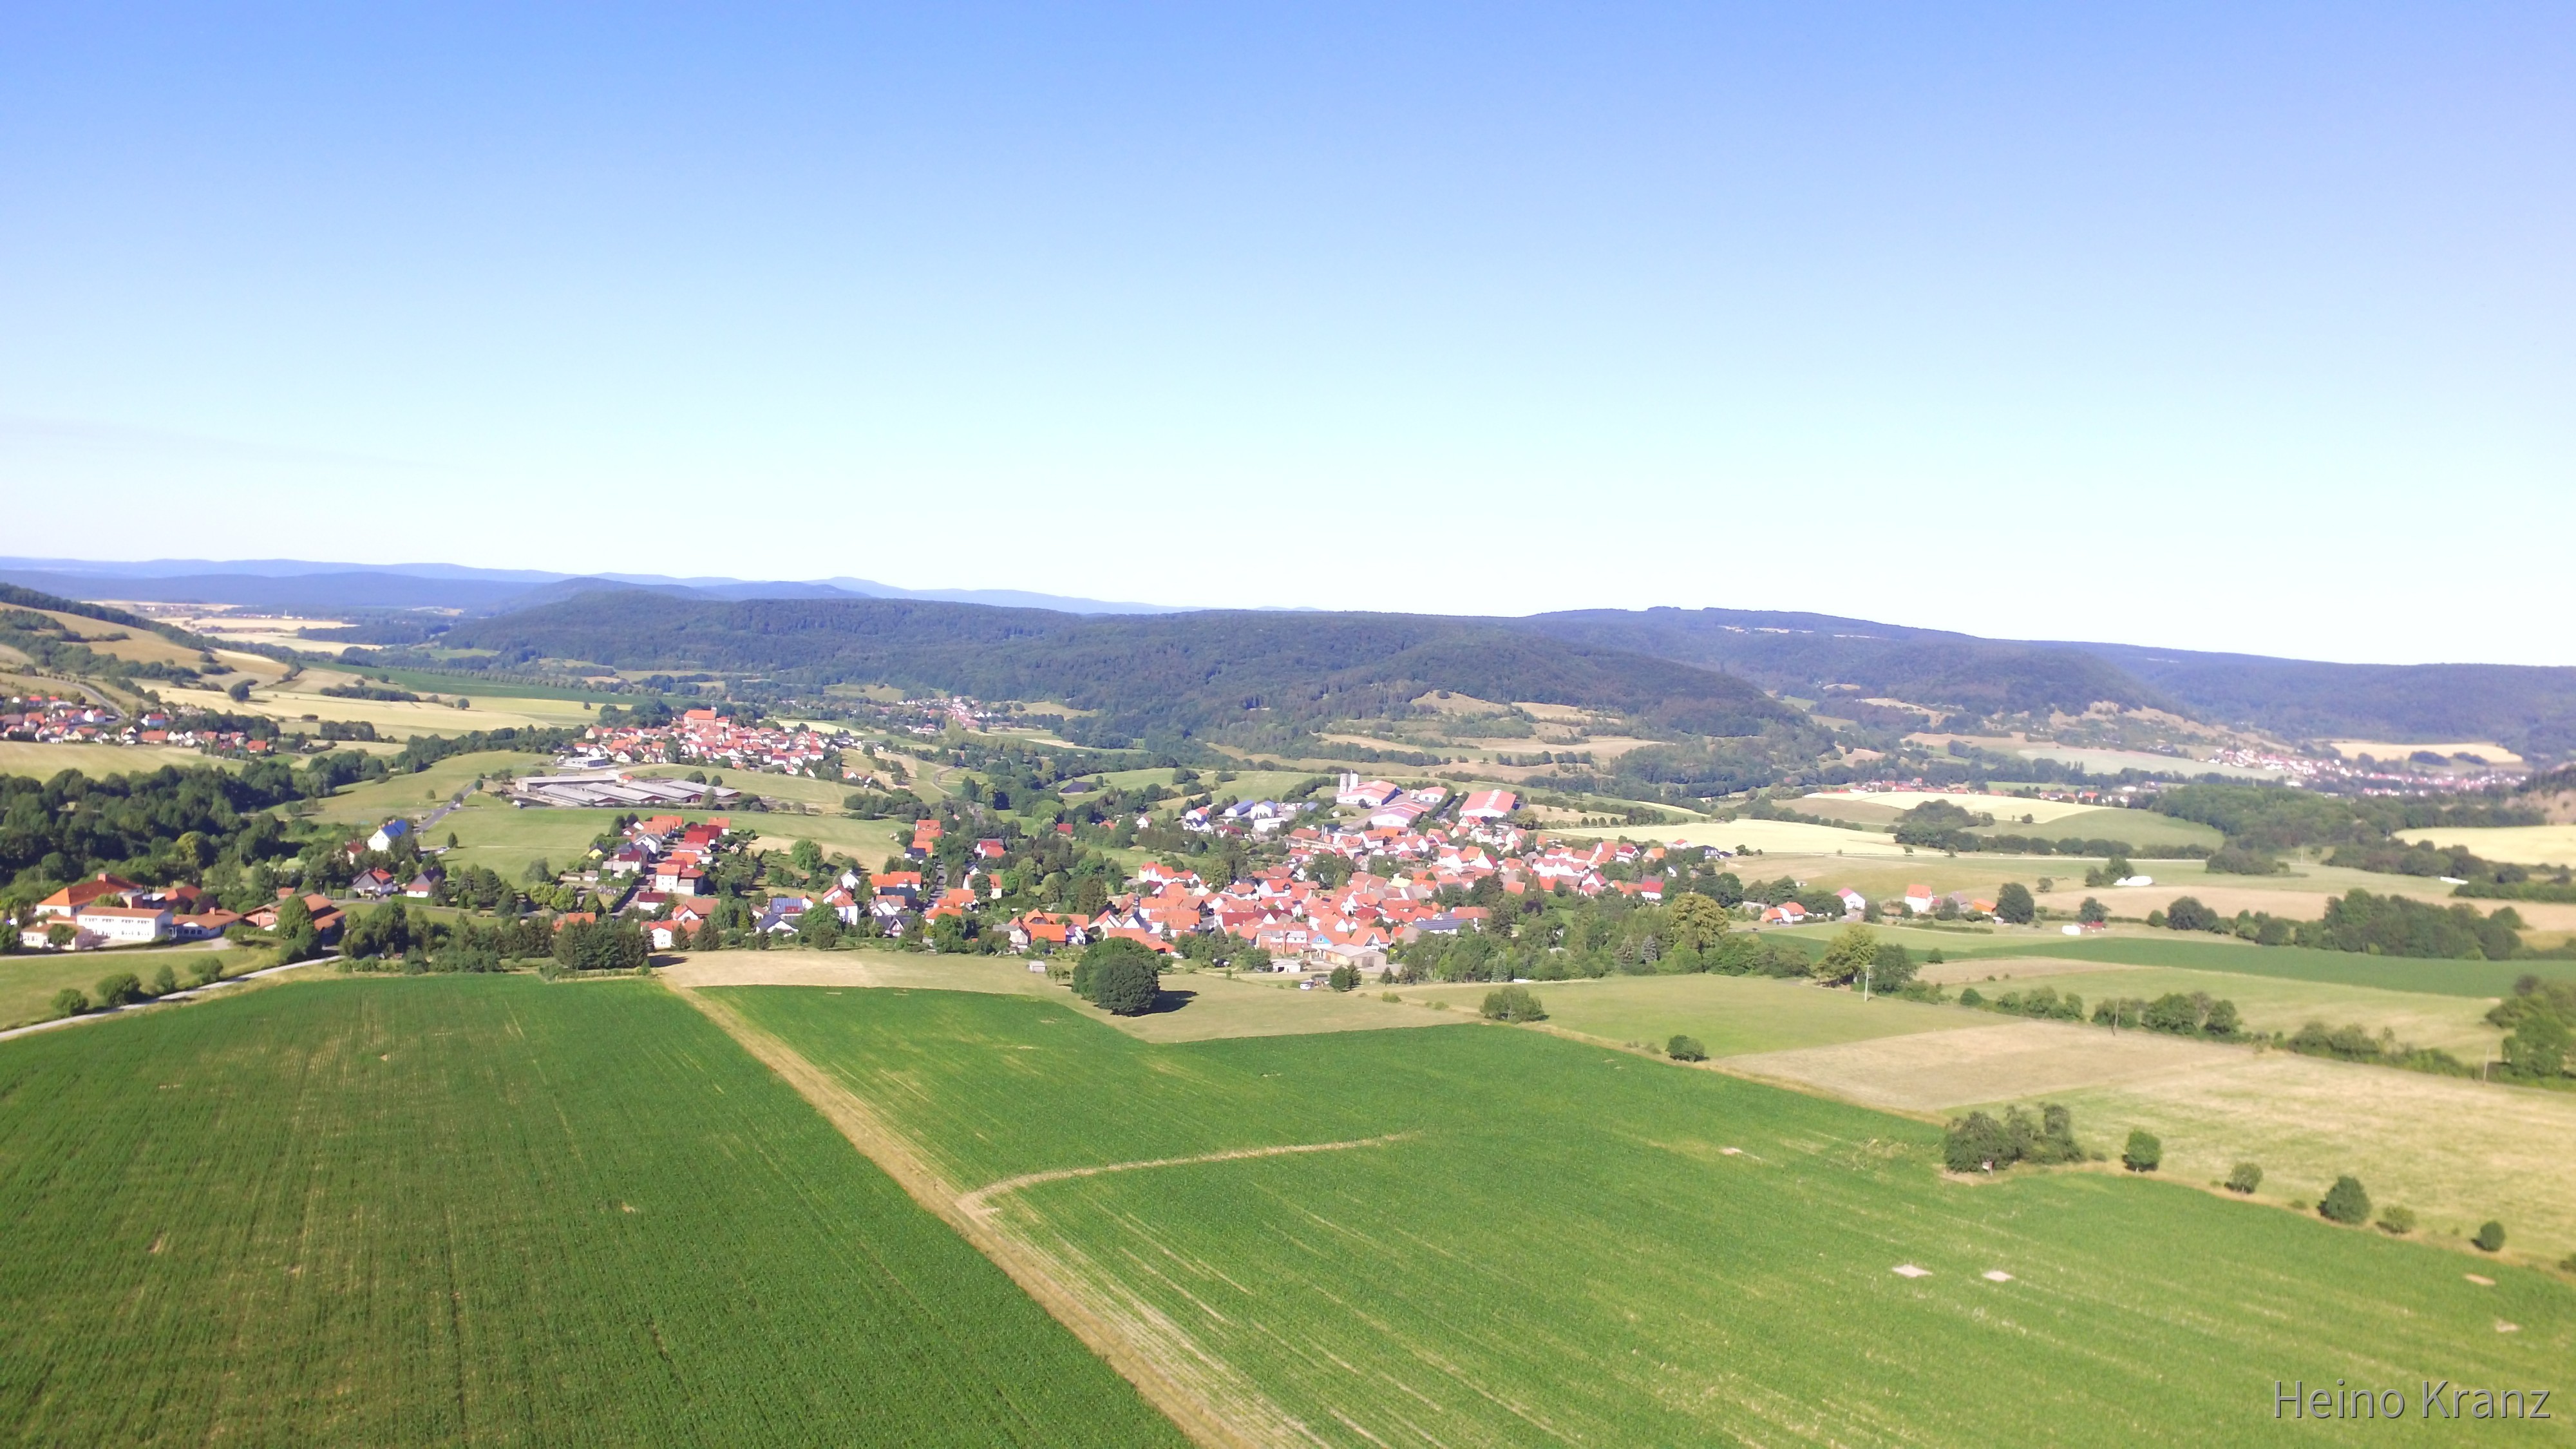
(1529, 1240)
(484, 1210)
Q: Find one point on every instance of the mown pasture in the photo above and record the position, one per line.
(485, 1210)
(1727, 1014)
(1532, 1240)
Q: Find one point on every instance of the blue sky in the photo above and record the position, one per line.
(2218, 326)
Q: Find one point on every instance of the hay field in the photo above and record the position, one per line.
(2144, 829)
(1996, 1058)
(44, 761)
(2521, 844)
(1494, 1236)
(485, 1210)
(399, 719)
(1771, 837)
(2002, 807)
(2457, 1152)
(2456, 1023)
(1729, 1014)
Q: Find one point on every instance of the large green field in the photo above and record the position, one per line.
(1514, 1238)
(1728, 1014)
(484, 1210)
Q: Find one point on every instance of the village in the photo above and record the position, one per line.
(51, 719)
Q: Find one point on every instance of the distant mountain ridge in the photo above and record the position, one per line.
(2529, 709)
(327, 588)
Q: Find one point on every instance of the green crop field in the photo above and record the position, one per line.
(1514, 1238)
(2454, 1023)
(484, 1210)
(2351, 968)
(417, 794)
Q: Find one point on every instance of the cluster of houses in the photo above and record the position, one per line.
(702, 736)
(108, 910)
(47, 719)
(1918, 900)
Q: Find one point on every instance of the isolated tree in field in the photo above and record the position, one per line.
(1686, 1049)
(2188, 914)
(2144, 1153)
(2244, 1177)
(1892, 967)
(2013, 904)
(1512, 1003)
(70, 1002)
(2345, 1203)
(2490, 1238)
(1086, 971)
(1852, 950)
(1126, 985)
(2092, 912)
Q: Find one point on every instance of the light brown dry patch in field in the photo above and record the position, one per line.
(1208, 1398)
(2487, 750)
(1931, 1071)
(847, 968)
(2458, 1152)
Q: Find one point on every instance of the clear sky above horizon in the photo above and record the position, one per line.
(2213, 326)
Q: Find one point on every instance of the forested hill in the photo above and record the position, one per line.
(1803, 653)
(2531, 709)
(1144, 676)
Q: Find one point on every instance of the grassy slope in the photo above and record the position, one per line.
(1728, 1014)
(418, 794)
(1565, 1252)
(485, 1210)
(29, 982)
(2390, 973)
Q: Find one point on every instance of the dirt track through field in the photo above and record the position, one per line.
(1205, 1396)
(980, 1202)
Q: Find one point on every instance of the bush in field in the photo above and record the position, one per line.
(118, 989)
(1513, 1003)
(165, 980)
(2490, 1238)
(1685, 1049)
(1125, 985)
(2345, 1202)
(2397, 1222)
(2144, 1153)
(70, 1002)
(1976, 1143)
(2244, 1177)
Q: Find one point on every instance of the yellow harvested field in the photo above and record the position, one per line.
(1771, 837)
(26, 757)
(2004, 808)
(2017, 1060)
(2521, 844)
(2487, 750)
(401, 719)
(2458, 1152)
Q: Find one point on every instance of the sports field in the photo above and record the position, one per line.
(1495, 1236)
(485, 1210)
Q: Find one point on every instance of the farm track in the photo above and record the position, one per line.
(1201, 1394)
(979, 1202)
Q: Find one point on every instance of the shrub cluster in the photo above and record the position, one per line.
(1979, 1143)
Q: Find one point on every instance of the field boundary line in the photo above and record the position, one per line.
(1113, 1336)
(979, 1202)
